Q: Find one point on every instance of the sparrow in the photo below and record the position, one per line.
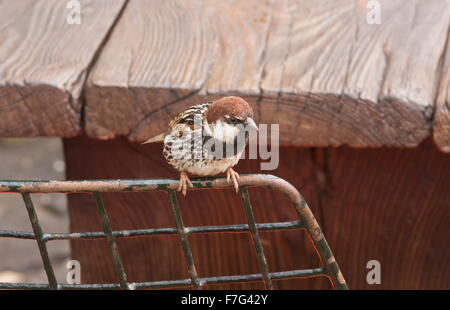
(208, 139)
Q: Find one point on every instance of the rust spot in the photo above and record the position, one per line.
(144, 188)
(220, 183)
(74, 186)
(4, 188)
(173, 185)
(313, 228)
(331, 260)
(340, 278)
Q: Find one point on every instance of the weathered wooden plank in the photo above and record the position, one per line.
(44, 61)
(441, 122)
(317, 68)
(346, 81)
(177, 52)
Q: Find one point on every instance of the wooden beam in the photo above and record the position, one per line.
(318, 68)
(180, 52)
(441, 123)
(346, 81)
(44, 61)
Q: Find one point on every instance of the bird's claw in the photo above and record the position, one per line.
(234, 176)
(185, 182)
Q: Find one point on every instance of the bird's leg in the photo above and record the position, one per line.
(184, 183)
(233, 175)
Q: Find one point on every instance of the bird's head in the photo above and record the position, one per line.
(229, 115)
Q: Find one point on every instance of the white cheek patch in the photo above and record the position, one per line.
(224, 131)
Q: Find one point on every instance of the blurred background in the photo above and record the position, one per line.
(32, 159)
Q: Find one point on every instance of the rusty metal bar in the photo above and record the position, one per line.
(184, 240)
(301, 274)
(306, 221)
(256, 239)
(320, 243)
(53, 284)
(153, 231)
(114, 250)
(331, 266)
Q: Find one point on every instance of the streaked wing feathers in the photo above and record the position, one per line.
(188, 116)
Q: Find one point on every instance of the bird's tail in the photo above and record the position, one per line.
(158, 138)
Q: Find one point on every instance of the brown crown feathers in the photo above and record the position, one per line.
(232, 106)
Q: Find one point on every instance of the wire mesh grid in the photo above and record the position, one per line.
(329, 267)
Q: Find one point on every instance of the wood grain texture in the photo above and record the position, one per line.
(44, 62)
(349, 82)
(441, 122)
(317, 68)
(181, 53)
(396, 211)
(370, 203)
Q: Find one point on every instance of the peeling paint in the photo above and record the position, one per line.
(73, 186)
(313, 228)
(145, 187)
(173, 185)
(340, 277)
(4, 189)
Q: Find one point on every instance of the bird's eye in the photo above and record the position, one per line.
(233, 120)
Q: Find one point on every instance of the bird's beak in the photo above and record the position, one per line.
(251, 124)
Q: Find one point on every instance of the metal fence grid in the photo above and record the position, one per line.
(329, 267)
